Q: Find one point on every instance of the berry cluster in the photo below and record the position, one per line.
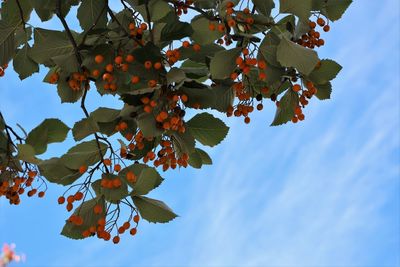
(20, 183)
(312, 38)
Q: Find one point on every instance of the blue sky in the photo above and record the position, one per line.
(325, 192)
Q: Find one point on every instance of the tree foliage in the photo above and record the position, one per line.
(160, 58)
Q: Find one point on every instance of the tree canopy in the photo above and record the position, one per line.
(160, 58)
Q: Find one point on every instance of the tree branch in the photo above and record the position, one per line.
(149, 20)
(199, 10)
(114, 18)
(79, 59)
(94, 24)
(21, 13)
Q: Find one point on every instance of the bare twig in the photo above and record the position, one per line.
(79, 59)
(149, 20)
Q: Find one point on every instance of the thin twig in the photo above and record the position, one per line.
(79, 59)
(94, 24)
(114, 18)
(149, 20)
(21, 13)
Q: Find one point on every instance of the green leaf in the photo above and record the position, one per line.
(158, 9)
(7, 42)
(336, 8)
(10, 11)
(90, 218)
(287, 105)
(264, 6)
(183, 143)
(301, 8)
(205, 158)
(49, 131)
(23, 64)
(195, 160)
(90, 12)
(83, 154)
(105, 114)
(66, 94)
(268, 49)
(56, 172)
(175, 30)
(27, 153)
(207, 129)
(205, 4)
(328, 71)
(153, 210)
(202, 34)
(175, 75)
(290, 54)
(324, 91)
(48, 44)
(199, 158)
(148, 179)
(224, 63)
(201, 56)
(67, 62)
(147, 124)
(84, 128)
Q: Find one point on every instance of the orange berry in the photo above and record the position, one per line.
(116, 183)
(70, 199)
(157, 65)
(99, 59)
(184, 98)
(78, 196)
(145, 100)
(61, 200)
(148, 64)
(116, 239)
(109, 68)
(118, 60)
(129, 58)
(152, 83)
(97, 209)
(296, 88)
(126, 225)
(143, 26)
(196, 47)
(147, 109)
(133, 231)
(107, 162)
(321, 22)
(185, 44)
(70, 206)
(95, 73)
(131, 177)
(82, 169)
(117, 167)
(136, 218)
(211, 27)
(135, 79)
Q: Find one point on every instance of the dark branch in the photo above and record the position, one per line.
(94, 24)
(21, 13)
(199, 10)
(149, 20)
(114, 18)
(69, 33)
